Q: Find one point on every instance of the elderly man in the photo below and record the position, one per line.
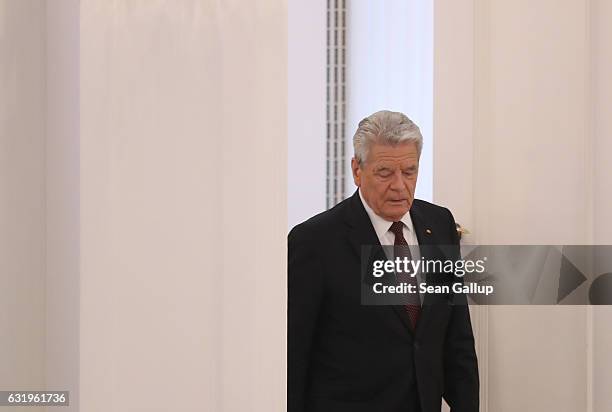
(344, 355)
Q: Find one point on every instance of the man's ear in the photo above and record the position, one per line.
(356, 172)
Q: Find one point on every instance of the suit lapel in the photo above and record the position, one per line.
(425, 237)
(424, 234)
(361, 232)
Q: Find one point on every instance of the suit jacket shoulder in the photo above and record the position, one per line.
(431, 210)
(318, 227)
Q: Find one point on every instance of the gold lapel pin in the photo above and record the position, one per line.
(461, 230)
(428, 231)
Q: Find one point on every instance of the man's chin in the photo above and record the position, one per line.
(395, 213)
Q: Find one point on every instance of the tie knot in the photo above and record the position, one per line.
(397, 228)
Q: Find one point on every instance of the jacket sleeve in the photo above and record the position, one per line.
(305, 297)
(461, 383)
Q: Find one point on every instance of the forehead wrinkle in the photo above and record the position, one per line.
(393, 155)
(383, 161)
(385, 157)
(395, 160)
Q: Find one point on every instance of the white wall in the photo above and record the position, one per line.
(143, 214)
(601, 128)
(151, 162)
(22, 195)
(306, 109)
(183, 205)
(518, 109)
(62, 198)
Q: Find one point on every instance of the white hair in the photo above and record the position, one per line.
(387, 128)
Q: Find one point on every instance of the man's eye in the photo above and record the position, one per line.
(384, 173)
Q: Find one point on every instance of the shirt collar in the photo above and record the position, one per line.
(381, 225)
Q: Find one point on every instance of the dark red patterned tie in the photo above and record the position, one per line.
(414, 310)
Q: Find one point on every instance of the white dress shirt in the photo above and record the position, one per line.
(387, 238)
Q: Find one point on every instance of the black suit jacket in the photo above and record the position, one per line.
(345, 356)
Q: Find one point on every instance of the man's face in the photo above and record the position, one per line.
(387, 179)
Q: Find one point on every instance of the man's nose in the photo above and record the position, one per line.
(397, 183)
